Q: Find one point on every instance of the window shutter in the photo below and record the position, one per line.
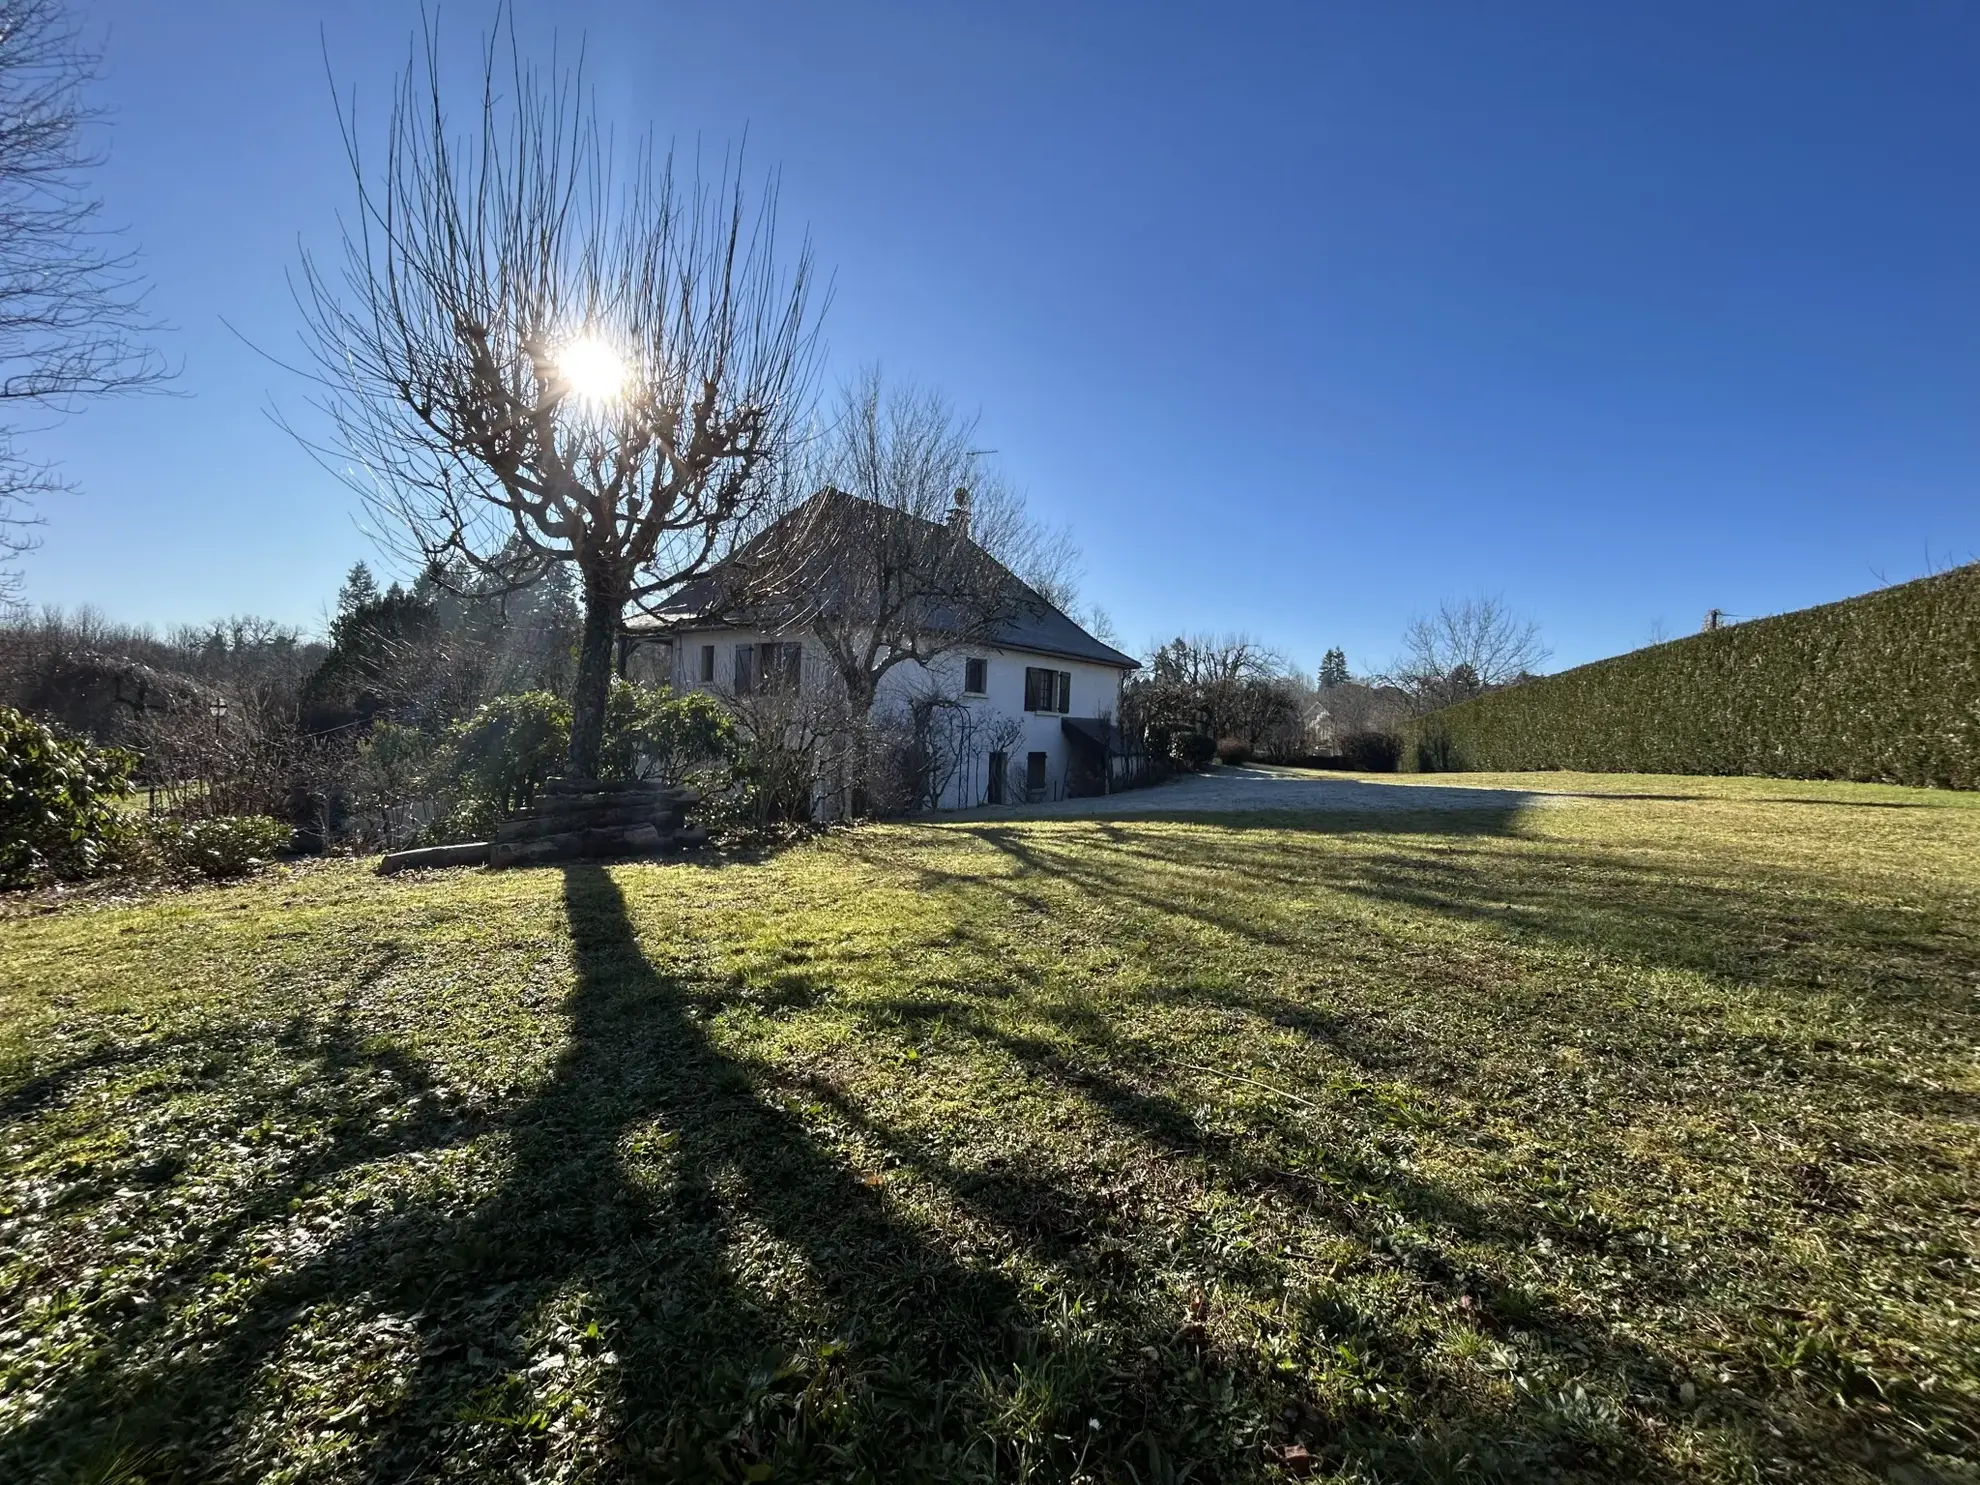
(745, 668)
(708, 664)
(1065, 690)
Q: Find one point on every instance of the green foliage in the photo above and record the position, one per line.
(1371, 752)
(1884, 687)
(650, 733)
(58, 802)
(489, 766)
(225, 846)
(428, 656)
(500, 756)
(1333, 669)
(360, 591)
(386, 656)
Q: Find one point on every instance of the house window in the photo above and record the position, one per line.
(783, 667)
(768, 669)
(1047, 690)
(708, 665)
(1034, 773)
(976, 677)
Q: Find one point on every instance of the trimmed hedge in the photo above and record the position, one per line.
(1883, 688)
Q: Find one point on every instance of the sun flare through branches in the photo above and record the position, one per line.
(593, 371)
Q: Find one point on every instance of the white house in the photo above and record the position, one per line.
(1040, 694)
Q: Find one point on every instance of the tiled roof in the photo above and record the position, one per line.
(1034, 625)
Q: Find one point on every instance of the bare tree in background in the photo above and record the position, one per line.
(895, 544)
(72, 325)
(1465, 649)
(535, 353)
(1228, 686)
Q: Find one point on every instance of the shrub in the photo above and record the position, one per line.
(650, 733)
(499, 757)
(1233, 750)
(1437, 751)
(1885, 687)
(59, 813)
(224, 846)
(1332, 761)
(1192, 749)
(392, 772)
(1371, 752)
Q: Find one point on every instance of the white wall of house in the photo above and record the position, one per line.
(1094, 692)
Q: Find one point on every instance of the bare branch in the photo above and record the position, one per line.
(1466, 648)
(444, 341)
(72, 322)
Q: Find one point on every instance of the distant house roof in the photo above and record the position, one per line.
(707, 602)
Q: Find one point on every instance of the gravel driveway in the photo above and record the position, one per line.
(1242, 790)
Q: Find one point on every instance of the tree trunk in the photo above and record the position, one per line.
(604, 604)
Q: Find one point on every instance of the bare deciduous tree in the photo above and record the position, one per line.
(535, 353)
(1466, 648)
(1208, 660)
(72, 323)
(895, 544)
(1230, 685)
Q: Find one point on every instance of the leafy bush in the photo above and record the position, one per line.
(499, 757)
(1885, 687)
(1233, 750)
(1371, 752)
(1192, 749)
(650, 733)
(225, 846)
(59, 816)
(492, 765)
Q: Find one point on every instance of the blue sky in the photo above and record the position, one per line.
(1303, 316)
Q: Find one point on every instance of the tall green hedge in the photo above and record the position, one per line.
(1883, 687)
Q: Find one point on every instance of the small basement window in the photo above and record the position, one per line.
(976, 677)
(1034, 773)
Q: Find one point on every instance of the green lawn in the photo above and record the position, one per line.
(1632, 1136)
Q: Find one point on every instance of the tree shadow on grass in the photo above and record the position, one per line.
(756, 1302)
(1102, 1229)
(760, 1303)
(1784, 928)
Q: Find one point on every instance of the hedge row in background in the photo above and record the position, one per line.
(1885, 687)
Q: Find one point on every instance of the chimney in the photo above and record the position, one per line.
(959, 513)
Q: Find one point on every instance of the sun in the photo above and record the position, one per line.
(593, 370)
